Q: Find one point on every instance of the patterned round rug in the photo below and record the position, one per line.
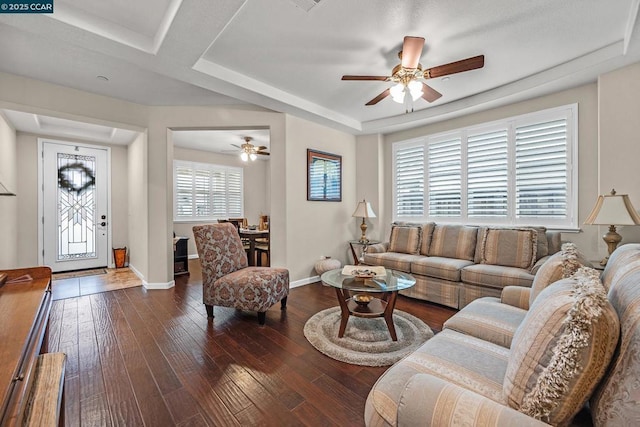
(366, 341)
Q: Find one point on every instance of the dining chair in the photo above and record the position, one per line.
(228, 281)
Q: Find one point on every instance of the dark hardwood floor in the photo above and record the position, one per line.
(138, 357)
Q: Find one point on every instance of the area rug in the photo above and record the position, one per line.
(366, 342)
(79, 273)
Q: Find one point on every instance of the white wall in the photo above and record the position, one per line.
(8, 204)
(317, 228)
(27, 222)
(138, 206)
(619, 142)
(255, 179)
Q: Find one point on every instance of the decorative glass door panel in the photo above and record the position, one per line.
(75, 207)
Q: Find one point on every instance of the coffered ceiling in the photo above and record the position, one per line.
(289, 55)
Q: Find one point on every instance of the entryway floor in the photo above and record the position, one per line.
(116, 278)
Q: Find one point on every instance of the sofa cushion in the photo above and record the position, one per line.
(392, 260)
(488, 319)
(454, 241)
(405, 240)
(446, 356)
(496, 276)
(442, 268)
(616, 402)
(509, 247)
(562, 349)
(559, 266)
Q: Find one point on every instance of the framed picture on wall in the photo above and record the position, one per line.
(324, 176)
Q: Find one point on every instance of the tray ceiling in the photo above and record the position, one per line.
(289, 55)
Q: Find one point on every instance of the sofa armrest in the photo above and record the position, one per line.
(428, 400)
(516, 296)
(378, 248)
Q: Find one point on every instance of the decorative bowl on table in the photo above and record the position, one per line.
(362, 299)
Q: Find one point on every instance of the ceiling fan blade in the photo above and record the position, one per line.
(411, 51)
(260, 148)
(379, 98)
(380, 78)
(455, 67)
(263, 153)
(429, 93)
(236, 145)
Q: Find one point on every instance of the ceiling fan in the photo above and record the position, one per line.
(250, 151)
(407, 75)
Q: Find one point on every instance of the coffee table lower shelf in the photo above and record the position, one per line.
(377, 307)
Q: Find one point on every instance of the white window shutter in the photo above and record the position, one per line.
(445, 178)
(487, 174)
(541, 170)
(409, 178)
(183, 192)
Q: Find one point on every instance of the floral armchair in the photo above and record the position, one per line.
(227, 280)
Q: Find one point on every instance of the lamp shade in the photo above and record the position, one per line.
(613, 209)
(364, 210)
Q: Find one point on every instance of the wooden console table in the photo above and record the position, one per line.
(24, 316)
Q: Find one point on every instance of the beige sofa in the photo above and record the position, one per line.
(455, 264)
(568, 353)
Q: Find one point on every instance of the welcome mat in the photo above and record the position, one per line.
(79, 273)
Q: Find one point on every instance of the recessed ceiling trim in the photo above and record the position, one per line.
(631, 23)
(115, 32)
(240, 80)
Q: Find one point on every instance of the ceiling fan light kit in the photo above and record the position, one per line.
(248, 151)
(407, 75)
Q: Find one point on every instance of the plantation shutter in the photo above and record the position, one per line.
(445, 178)
(234, 194)
(202, 196)
(409, 176)
(204, 191)
(487, 174)
(541, 170)
(184, 192)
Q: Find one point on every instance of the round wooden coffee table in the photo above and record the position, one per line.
(368, 297)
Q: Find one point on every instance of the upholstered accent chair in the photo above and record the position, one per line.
(227, 280)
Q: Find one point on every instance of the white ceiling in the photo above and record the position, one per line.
(289, 55)
(226, 141)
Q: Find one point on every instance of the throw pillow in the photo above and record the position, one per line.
(405, 240)
(454, 241)
(562, 349)
(559, 266)
(510, 247)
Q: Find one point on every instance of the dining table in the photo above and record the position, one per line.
(251, 235)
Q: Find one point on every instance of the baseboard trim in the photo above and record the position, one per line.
(193, 256)
(303, 282)
(151, 286)
(136, 272)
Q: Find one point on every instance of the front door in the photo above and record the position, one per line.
(74, 206)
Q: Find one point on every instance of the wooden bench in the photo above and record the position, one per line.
(44, 404)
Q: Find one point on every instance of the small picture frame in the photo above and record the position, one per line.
(324, 176)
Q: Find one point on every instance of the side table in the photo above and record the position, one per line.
(365, 244)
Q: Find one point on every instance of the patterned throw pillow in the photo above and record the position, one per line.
(562, 349)
(405, 240)
(510, 247)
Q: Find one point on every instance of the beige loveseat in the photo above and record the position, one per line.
(455, 264)
(567, 354)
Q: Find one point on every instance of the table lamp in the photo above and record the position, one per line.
(613, 209)
(364, 210)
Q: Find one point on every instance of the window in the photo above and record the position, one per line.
(204, 191)
(520, 170)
